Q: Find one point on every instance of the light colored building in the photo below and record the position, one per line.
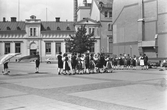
(100, 12)
(48, 38)
(139, 26)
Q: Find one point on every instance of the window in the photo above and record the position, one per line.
(33, 32)
(111, 39)
(58, 28)
(89, 30)
(110, 14)
(7, 48)
(18, 28)
(8, 28)
(48, 28)
(92, 48)
(17, 47)
(109, 27)
(58, 47)
(48, 47)
(67, 48)
(68, 28)
(93, 30)
(106, 14)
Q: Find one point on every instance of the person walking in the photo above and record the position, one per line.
(60, 63)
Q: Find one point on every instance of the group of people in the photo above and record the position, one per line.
(83, 63)
(92, 63)
(98, 63)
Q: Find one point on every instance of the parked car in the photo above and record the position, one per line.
(51, 60)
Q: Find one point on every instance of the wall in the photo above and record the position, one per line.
(128, 30)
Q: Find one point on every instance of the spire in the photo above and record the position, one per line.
(75, 10)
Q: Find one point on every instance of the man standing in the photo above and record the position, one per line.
(60, 63)
(37, 62)
(145, 61)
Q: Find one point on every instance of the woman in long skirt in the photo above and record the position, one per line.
(92, 64)
(66, 66)
(79, 65)
(60, 63)
(74, 62)
(87, 62)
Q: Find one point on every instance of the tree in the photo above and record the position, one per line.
(80, 42)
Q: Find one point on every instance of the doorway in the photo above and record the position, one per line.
(33, 51)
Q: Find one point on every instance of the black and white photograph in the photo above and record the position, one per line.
(83, 54)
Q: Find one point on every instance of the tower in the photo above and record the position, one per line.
(75, 10)
(85, 2)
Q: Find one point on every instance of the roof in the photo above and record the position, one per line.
(57, 26)
(12, 26)
(48, 26)
(106, 3)
(87, 20)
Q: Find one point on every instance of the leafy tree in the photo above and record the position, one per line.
(80, 42)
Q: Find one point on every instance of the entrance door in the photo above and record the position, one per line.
(33, 51)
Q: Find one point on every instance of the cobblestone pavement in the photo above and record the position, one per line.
(120, 90)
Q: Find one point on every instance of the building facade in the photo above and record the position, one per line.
(100, 12)
(34, 35)
(139, 26)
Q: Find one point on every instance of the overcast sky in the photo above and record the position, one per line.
(55, 8)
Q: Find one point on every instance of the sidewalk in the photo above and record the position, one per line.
(121, 90)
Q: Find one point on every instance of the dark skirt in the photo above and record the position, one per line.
(67, 67)
(37, 63)
(79, 66)
(134, 62)
(60, 64)
(74, 64)
(6, 65)
(91, 65)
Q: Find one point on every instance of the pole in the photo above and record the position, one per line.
(18, 10)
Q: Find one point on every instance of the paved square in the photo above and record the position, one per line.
(139, 96)
(52, 82)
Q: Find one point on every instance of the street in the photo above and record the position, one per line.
(23, 89)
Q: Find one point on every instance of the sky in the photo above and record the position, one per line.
(55, 8)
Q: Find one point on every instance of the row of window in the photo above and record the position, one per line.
(17, 48)
(58, 48)
(47, 48)
(108, 14)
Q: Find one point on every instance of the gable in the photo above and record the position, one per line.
(87, 21)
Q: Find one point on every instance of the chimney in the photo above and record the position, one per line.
(4, 19)
(13, 19)
(57, 19)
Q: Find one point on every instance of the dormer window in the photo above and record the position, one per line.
(58, 28)
(18, 28)
(68, 28)
(48, 28)
(8, 28)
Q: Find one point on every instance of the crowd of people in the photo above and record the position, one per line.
(98, 63)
